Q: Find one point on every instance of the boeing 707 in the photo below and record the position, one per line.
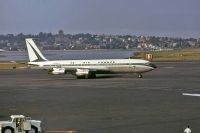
(86, 68)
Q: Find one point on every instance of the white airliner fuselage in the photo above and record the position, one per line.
(87, 68)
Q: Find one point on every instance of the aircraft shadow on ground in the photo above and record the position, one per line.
(57, 77)
(107, 76)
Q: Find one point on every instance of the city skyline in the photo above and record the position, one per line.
(171, 18)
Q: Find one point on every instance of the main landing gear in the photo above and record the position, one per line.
(87, 76)
(139, 75)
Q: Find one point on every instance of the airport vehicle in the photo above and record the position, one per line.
(86, 68)
(20, 124)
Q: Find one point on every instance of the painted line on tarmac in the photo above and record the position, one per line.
(191, 94)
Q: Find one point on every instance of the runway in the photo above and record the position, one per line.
(109, 104)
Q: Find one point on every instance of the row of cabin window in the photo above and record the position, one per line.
(103, 62)
(86, 64)
(82, 64)
(111, 62)
(99, 63)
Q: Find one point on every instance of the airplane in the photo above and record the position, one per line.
(85, 68)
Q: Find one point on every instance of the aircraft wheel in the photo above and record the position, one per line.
(80, 77)
(139, 75)
(93, 75)
(33, 129)
(87, 76)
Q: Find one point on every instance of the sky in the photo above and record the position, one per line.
(172, 18)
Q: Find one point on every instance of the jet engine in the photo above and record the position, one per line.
(57, 71)
(85, 73)
(82, 72)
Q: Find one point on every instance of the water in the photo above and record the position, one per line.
(75, 55)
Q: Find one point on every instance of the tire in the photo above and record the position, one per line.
(139, 75)
(93, 75)
(80, 77)
(8, 130)
(33, 130)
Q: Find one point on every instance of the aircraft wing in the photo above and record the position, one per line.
(189, 94)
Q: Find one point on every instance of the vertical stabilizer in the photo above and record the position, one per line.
(33, 52)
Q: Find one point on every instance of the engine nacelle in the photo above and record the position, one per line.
(82, 72)
(57, 71)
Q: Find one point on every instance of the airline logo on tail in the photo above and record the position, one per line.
(33, 52)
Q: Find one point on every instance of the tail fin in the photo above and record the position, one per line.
(33, 52)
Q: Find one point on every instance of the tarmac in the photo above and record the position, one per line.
(119, 103)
